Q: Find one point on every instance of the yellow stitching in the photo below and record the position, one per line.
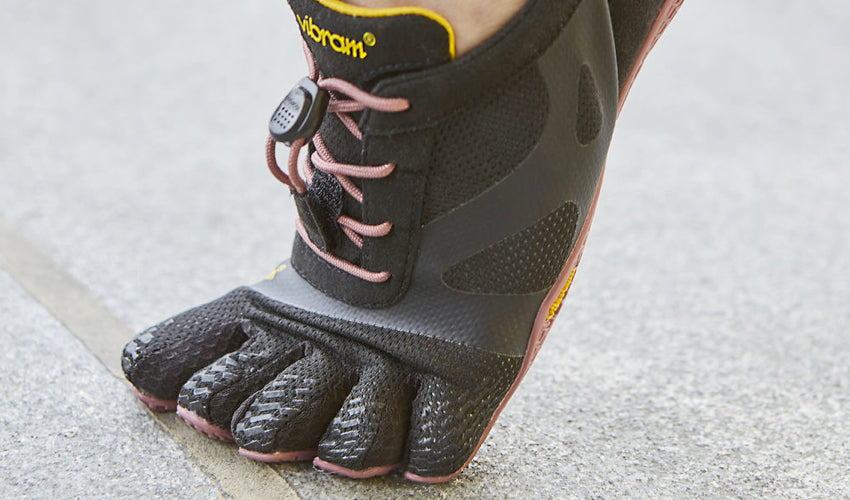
(352, 10)
(553, 309)
(276, 270)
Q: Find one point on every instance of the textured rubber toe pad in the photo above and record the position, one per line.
(154, 403)
(215, 392)
(162, 358)
(201, 425)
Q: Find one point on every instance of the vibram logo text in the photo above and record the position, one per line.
(338, 43)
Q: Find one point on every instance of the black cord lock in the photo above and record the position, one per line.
(300, 113)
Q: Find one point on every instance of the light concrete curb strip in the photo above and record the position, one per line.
(104, 335)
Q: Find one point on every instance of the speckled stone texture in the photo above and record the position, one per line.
(704, 350)
(72, 430)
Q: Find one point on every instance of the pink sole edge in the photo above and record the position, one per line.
(355, 474)
(278, 456)
(203, 426)
(154, 403)
(416, 478)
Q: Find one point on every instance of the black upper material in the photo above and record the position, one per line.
(478, 112)
(495, 102)
(630, 22)
(497, 161)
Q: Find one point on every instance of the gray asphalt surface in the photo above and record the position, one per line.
(704, 350)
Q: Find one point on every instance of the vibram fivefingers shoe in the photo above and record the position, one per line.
(443, 205)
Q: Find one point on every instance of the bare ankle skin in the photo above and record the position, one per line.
(473, 20)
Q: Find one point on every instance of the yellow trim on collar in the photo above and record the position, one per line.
(353, 10)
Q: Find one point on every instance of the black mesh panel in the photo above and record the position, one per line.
(589, 113)
(483, 142)
(525, 262)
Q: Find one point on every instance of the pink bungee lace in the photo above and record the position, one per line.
(322, 159)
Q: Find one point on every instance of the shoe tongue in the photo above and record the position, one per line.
(361, 45)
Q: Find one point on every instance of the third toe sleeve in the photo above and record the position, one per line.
(370, 429)
(447, 422)
(293, 410)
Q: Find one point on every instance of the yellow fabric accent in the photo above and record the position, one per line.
(553, 309)
(353, 10)
(276, 270)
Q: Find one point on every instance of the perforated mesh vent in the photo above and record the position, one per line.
(589, 112)
(485, 141)
(525, 262)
